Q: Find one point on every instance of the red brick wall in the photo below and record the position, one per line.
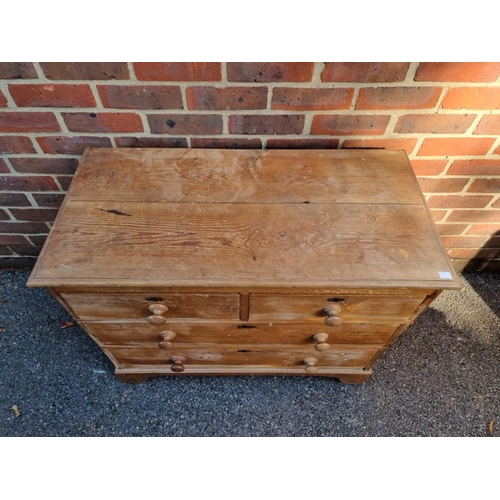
(445, 115)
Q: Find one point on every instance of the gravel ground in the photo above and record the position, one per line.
(441, 378)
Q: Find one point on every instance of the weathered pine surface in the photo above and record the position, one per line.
(240, 218)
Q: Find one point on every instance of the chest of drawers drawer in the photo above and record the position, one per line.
(196, 359)
(211, 262)
(101, 306)
(238, 333)
(333, 310)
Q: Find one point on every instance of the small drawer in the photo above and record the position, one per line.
(344, 308)
(155, 308)
(173, 334)
(184, 358)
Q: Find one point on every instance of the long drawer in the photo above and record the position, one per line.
(243, 355)
(102, 306)
(134, 333)
(355, 308)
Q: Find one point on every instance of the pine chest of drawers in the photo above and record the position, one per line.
(209, 262)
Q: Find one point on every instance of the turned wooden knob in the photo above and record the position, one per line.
(320, 338)
(177, 366)
(332, 311)
(157, 310)
(311, 362)
(166, 338)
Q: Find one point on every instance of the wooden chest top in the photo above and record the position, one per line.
(209, 218)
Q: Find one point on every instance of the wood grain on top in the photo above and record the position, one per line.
(244, 218)
(245, 176)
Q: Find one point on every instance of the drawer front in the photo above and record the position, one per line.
(121, 333)
(103, 306)
(245, 355)
(355, 308)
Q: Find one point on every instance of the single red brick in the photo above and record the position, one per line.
(473, 253)
(14, 200)
(141, 96)
(266, 124)
(451, 229)
(52, 95)
(480, 265)
(13, 263)
(103, 122)
(398, 97)
(7, 263)
(30, 165)
(17, 70)
(433, 124)
(428, 167)
(27, 121)
(270, 72)
(85, 70)
(185, 124)
(309, 143)
(4, 215)
(301, 99)
(475, 167)
(472, 98)
(488, 125)
(407, 144)
(16, 144)
(3, 100)
(27, 250)
(474, 216)
(457, 201)
(485, 229)
(28, 183)
(364, 72)
(72, 145)
(493, 242)
(179, 71)
(349, 124)
(32, 214)
(38, 240)
(151, 142)
(496, 204)
(455, 146)
(438, 215)
(225, 143)
(208, 98)
(4, 250)
(52, 200)
(444, 185)
(65, 181)
(4, 169)
(13, 239)
(485, 185)
(457, 72)
(23, 227)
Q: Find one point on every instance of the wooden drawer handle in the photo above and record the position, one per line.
(332, 312)
(311, 362)
(177, 366)
(157, 310)
(321, 338)
(166, 338)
